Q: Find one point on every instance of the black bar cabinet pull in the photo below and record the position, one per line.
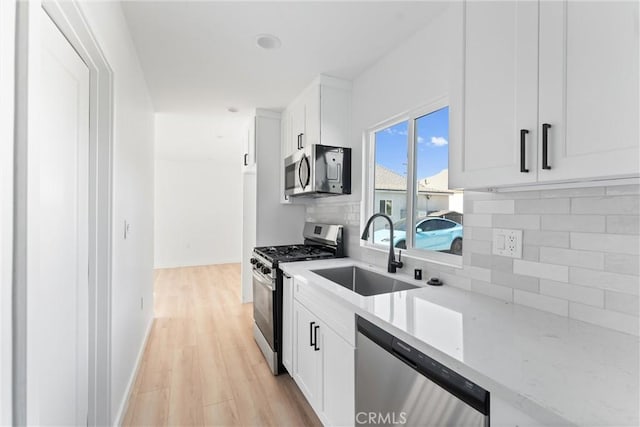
(315, 337)
(523, 150)
(298, 141)
(311, 342)
(300, 138)
(545, 146)
(246, 159)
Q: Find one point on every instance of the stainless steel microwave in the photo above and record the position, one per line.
(318, 171)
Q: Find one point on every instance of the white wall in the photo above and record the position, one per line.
(133, 136)
(198, 193)
(7, 20)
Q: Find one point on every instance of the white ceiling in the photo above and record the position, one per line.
(201, 56)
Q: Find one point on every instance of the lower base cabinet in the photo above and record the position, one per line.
(323, 368)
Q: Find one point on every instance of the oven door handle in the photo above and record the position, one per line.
(263, 280)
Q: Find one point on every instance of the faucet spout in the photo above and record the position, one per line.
(392, 264)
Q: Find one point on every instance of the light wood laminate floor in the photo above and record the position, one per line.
(201, 365)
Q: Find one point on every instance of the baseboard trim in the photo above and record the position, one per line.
(124, 405)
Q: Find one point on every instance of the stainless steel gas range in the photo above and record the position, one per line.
(321, 241)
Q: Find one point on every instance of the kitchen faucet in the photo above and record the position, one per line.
(392, 263)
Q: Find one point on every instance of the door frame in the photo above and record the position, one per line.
(69, 18)
(7, 85)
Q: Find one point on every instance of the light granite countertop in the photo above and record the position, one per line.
(556, 370)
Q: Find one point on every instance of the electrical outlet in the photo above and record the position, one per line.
(507, 242)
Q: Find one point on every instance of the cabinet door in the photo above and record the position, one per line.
(499, 95)
(589, 88)
(338, 379)
(249, 152)
(298, 114)
(306, 364)
(334, 116)
(285, 129)
(287, 323)
(312, 116)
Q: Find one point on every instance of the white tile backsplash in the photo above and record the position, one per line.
(623, 224)
(543, 206)
(605, 280)
(588, 223)
(525, 222)
(580, 251)
(556, 239)
(621, 263)
(581, 294)
(494, 206)
(612, 243)
(627, 205)
(572, 257)
(541, 302)
(558, 273)
(477, 220)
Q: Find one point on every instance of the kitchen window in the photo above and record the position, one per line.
(408, 176)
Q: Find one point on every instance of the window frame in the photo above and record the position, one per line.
(368, 167)
(387, 203)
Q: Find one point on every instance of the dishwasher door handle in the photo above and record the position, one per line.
(405, 359)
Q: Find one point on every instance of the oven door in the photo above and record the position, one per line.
(263, 294)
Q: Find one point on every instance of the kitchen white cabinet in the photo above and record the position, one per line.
(324, 368)
(287, 322)
(499, 97)
(249, 146)
(589, 89)
(527, 65)
(338, 378)
(307, 357)
(319, 115)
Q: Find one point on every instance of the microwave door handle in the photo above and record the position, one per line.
(304, 183)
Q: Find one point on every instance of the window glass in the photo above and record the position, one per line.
(390, 180)
(386, 207)
(415, 153)
(433, 198)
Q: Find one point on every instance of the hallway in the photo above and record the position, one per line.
(201, 365)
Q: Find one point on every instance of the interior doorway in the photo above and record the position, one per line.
(62, 226)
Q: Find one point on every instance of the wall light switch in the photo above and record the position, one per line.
(507, 242)
(127, 229)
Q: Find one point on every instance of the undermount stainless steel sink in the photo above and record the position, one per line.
(363, 282)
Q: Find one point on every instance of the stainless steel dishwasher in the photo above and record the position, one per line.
(398, 385)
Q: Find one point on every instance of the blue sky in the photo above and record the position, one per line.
(433, 145)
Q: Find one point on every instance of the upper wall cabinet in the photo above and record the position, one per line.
(319, 115)
(547, 92)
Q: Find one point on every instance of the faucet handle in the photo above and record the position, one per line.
(399, 263)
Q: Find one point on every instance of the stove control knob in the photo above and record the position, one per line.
(253, 260)
(266, 270)
(259, 265)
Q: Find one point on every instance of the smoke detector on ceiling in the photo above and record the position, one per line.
(268, 41)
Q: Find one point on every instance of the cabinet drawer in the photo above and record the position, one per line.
(336, 315)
